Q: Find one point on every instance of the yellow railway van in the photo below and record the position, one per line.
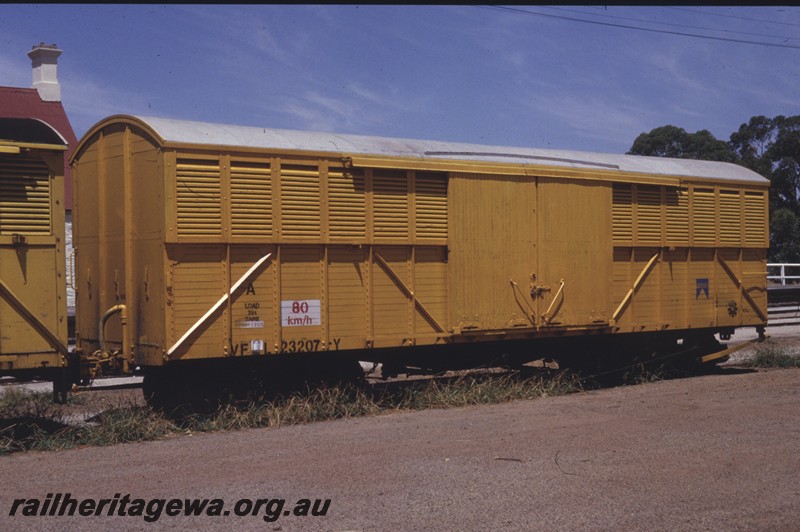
(201, 242)
(33, 308)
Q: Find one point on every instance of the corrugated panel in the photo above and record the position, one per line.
(390, 198)
(198, 281)
(701, 305)
(673, 269)
(300, 201)
(621, 277)
(431, 205)
(622, 213)
(730, 218)
(391, 308)
(251, 199)
(703, 217)
(647, 301)
(31, 275)
(430, 286)
(253, 307)
(24, 196)
(347, 204)
(728, 293)
(755, 219)
(198, 197)
(488, 248)
(301, 272)
(754, 265)
(677, 216)
(347, 292)
(648, 214)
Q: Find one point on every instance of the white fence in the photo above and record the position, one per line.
(784, 273)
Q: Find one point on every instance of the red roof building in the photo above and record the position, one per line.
(43, 102)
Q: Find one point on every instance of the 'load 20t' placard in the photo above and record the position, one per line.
(300, 313)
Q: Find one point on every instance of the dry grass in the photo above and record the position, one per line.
(31, 421)
(772, 356)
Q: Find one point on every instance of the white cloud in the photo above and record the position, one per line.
(319, 112)
(598, 120)
(234, 37)
(353, 109)
(674, 68)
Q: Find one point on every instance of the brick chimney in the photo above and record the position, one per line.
(44, 59)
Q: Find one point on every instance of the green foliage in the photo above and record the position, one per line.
(768, 146)
(671, 141)
(784, 229)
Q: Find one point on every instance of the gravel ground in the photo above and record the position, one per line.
(786, 337)
(715, 452)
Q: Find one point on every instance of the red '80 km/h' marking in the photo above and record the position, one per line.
(299, 307)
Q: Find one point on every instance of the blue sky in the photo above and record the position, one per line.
(529, 76)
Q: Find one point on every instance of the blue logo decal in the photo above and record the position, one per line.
(700, 288)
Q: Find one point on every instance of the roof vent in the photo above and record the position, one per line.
(44, 58)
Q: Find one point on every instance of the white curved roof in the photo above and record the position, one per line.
(182, 131)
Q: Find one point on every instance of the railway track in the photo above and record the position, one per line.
(783, 307)
(783, 314)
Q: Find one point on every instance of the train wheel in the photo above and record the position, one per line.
(169, 391)
(333, 373)
(156, 389)
(182, 390)
(61, 386)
